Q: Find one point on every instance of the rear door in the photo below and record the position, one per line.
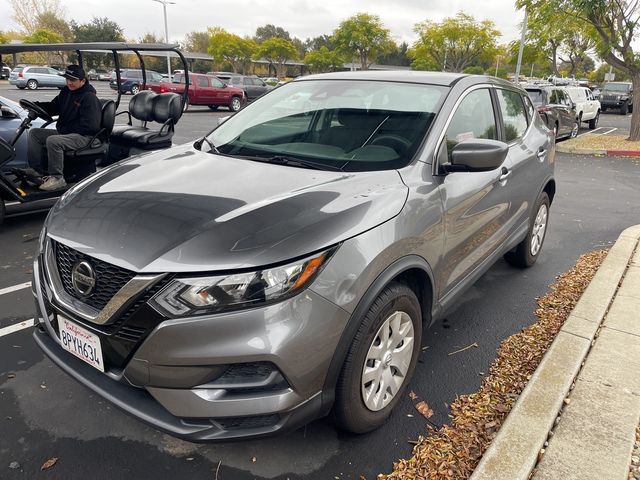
(566, 115)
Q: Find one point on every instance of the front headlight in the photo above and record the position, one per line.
(201, 295)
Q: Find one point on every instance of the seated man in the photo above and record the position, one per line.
(79, 113)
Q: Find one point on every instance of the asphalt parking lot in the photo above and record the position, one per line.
(45, 414)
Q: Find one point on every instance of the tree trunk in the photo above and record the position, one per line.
(363, 61)
(634, 130)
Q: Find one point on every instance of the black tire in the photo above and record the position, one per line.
(236, 104)
(32, 84)
(522, 256)
(213, 107)
(624, 108)
(397, 302)
(575, 129)
(593, 123)
(134, 89)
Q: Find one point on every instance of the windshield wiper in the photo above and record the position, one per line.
(200, 141)
(294, 162)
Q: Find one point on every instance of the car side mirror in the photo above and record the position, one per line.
(477, 155)
(8, 113)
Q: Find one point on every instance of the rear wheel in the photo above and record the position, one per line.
(32, 84)
(380, 360)
(527, 251)
(575, 129)
(593, 123)
(235, 104)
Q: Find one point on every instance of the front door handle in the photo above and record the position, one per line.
(542, 153)
(504, 174)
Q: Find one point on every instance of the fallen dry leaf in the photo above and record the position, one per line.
(49, 463)
(412, 395)
(424, 409)
(454, 450)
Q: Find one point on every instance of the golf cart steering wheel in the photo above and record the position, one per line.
(37, 110)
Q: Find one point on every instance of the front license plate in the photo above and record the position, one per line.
(81, 342)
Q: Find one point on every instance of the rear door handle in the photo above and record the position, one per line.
(504, 174)
(542, 154)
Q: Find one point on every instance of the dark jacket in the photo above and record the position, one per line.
(79, 110)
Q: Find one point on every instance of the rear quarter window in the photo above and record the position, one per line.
(536, 96)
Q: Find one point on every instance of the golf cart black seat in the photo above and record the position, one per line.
(81, 163)
(147, 106)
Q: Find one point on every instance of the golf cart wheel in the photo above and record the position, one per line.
(380, 360)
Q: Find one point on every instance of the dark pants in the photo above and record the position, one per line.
(55, 144)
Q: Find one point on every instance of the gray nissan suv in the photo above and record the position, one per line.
(284, 266)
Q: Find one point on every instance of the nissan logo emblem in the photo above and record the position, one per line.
(83, 278)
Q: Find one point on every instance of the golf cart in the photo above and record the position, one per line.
(150, 121)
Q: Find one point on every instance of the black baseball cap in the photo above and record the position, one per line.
(74, 72)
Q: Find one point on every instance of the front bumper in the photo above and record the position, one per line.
(242, 374)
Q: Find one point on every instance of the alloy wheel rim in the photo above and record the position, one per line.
(387, 361)
(539, 229)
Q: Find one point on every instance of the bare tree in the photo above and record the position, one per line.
(28, 13)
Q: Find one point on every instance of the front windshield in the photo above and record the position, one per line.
(333, 124)
(616, 87)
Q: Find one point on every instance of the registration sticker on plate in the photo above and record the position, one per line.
(82, 343)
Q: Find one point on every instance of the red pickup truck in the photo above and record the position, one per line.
(203, 90)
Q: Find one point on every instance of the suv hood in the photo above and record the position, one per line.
(182, 210)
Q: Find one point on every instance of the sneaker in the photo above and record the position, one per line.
(53, 183)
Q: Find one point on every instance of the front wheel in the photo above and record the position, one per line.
(32, 84)
(380, 360)
(135, 89)
(624, 109)
(593, 123)
(527, 251)
(235, 104)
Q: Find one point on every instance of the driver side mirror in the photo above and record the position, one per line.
(477, 155)
(8, 113)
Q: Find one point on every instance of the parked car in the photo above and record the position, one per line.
(556, 108)
(586, 105)
(33, 77)
(203, 90)
(5, 72)
(98, 74)
(617, 95)
(283, 265)
(131, 80)
(273, 81)
(253, 86)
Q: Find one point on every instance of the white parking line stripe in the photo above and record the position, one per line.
(15, 288)
(607, 133)
(16, 327)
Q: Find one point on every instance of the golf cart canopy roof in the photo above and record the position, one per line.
(10, 48)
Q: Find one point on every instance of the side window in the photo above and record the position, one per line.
(553, 98)
(216, 83)
(203, 82)
(513, 114)
(473, 118)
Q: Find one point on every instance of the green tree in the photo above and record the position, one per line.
(28, 13)
(315, 43)
(99, 29)
(3, 38)
(197, 42)
(42, 35)
(50, 21)
(454, 44)
(362, 35)
(323, 60)
(270, 31)
(228, 47)
(613, 25)
(277, 51)
(396, 55)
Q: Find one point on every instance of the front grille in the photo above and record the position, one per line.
(109, 278)
(610, 97)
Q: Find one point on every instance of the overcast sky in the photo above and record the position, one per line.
(301, 18)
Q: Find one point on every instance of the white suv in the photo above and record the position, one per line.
(587, 106)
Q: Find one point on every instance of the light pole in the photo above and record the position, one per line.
(166, 30)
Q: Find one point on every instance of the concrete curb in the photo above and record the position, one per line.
(590, 151)
(515, 450)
